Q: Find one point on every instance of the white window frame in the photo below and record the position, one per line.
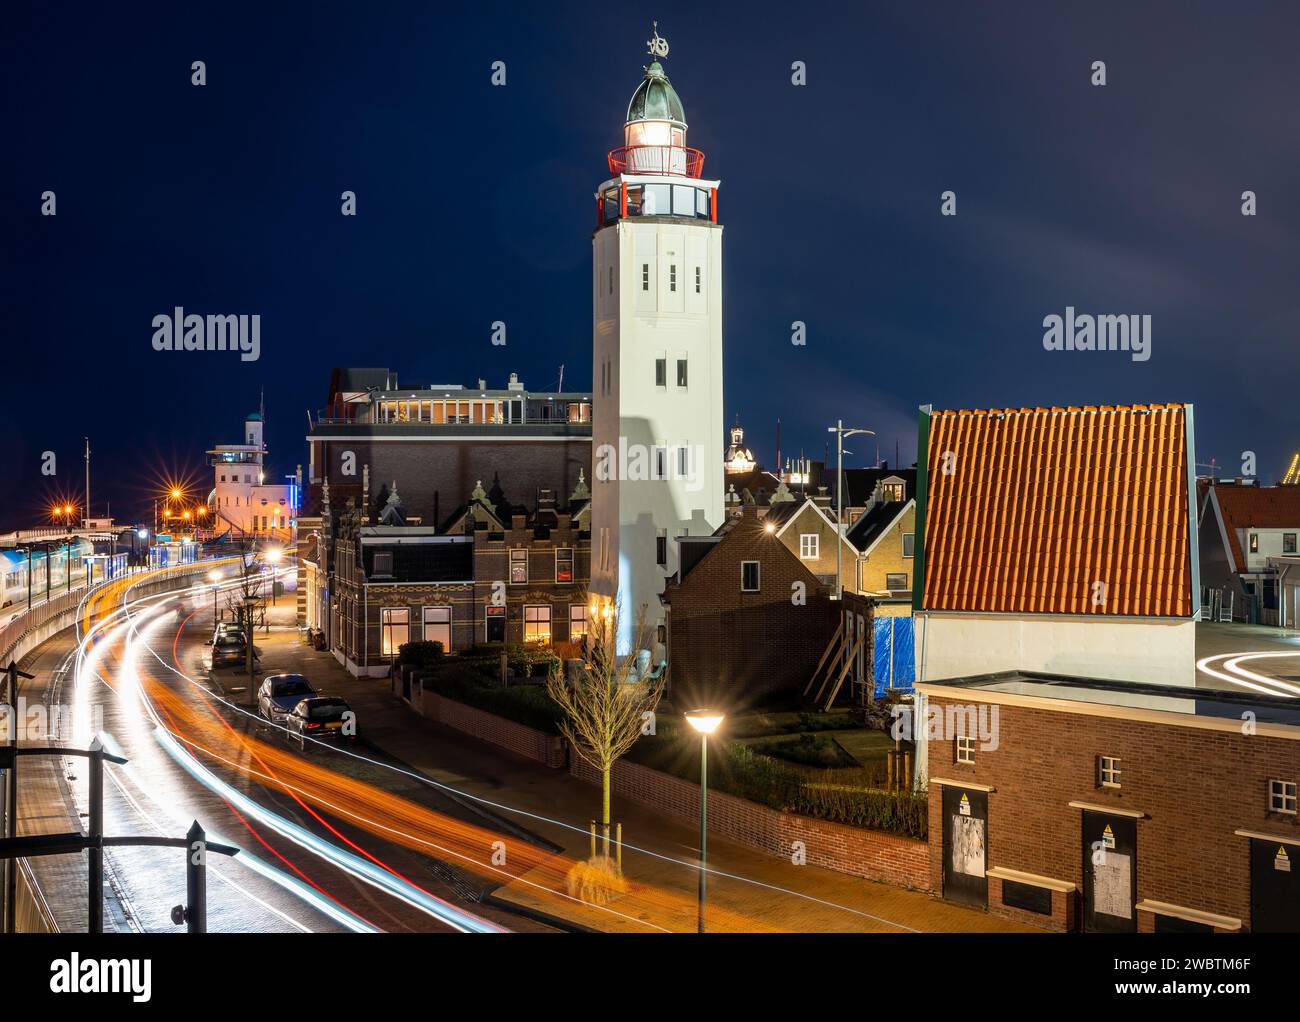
(564, 550)
(758, 577)
(578, 621)
(1282, 796)
(427, 626)
(533, 616)
(1110, 771)
(809, 546)
(390, 620)
(966, 749)
(518, 560)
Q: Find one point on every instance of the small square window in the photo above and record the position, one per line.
(1281, 797)
(809, 542)
(749, 582)
(1108, 771)
(965, 749)
(1288, 542)
(681, 372)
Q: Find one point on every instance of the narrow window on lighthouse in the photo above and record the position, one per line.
(672, 277)
(611, 280)
(681, 372)
(661, 372)
(697, 280)
(645, 276)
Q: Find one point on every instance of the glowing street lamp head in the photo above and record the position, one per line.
(142, 533)
(273, 555)
(214, 576)
(176, 493)
(704, 721)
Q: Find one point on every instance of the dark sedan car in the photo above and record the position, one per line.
(231, 650)
(280, 693)
(324, 718)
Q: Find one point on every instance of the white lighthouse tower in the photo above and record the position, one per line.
(657, 350)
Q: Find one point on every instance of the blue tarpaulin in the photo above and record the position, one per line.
(894, 656)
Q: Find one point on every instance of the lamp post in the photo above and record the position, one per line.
(214, 576)
(841, 431)
(273, 556)
(705, 722)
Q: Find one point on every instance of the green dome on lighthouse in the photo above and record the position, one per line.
(655, 98)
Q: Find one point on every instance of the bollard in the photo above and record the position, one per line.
(196, 880)
(95, 853)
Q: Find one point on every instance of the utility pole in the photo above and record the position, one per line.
(86, 519)
(841, 432)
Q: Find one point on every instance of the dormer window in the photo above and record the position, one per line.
(383, 562)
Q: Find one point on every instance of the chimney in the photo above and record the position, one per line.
(823, 499)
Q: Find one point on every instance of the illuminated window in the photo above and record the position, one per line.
(1281, 797)
(537, 624)
(577, 621)
(518, 567)
(437, 626)
(1108, 771)
(564, 565)
(395, 624)
(809, 546)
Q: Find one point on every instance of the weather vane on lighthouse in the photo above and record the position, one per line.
(657, 45)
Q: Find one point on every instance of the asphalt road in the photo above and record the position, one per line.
(311, 825)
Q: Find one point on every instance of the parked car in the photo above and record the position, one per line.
(325, 718)
(225, 629)
(280, 693)
(230, 650)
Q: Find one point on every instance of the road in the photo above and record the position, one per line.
(308, 862)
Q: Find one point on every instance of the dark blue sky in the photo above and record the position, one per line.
(476, 205)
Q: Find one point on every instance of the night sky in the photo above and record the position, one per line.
(475, 204)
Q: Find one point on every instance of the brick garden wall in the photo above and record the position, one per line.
(888, 858)
(517, 738)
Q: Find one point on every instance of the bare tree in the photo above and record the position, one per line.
(606, 705)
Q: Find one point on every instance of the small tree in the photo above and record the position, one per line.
(606, 705)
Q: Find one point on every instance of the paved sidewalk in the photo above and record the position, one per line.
(824, 901)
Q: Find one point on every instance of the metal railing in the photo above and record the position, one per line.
(674, 160)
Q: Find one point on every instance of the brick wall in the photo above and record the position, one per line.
(730, 648)
(875, 855)
(1194, 786)
(516, 738)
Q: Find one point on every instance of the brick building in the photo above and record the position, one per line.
(495, 572)
(1079, 804)
(440, 440)
(747, 620)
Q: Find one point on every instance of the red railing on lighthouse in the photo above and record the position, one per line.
(677, 160)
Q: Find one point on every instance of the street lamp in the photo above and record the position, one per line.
(273, 556)
(215, 577)
(705, 722)
(841, 431)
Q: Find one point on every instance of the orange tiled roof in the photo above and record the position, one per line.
(1256, 507)
(1041, 503)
